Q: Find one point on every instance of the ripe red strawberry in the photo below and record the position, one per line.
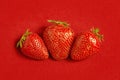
(86, 44)
(58, 39)
(32, 46)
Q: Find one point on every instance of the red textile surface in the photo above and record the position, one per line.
(18, 15)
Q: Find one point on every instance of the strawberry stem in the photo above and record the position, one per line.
(22, 39)
(96, 32)
(58, 22)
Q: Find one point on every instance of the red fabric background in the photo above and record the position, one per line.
(18, 15)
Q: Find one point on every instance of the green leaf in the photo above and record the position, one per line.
(18, 44)
(59, 22)
(96, 30)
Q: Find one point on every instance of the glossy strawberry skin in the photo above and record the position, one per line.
(85, 45)
(58, 40)
(34, 47)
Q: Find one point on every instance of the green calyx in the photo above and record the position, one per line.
(59, 23)
(22, 39)
(96, 32)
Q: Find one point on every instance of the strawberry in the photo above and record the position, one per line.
(58, 38)
(86, 44)
(32, 45)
